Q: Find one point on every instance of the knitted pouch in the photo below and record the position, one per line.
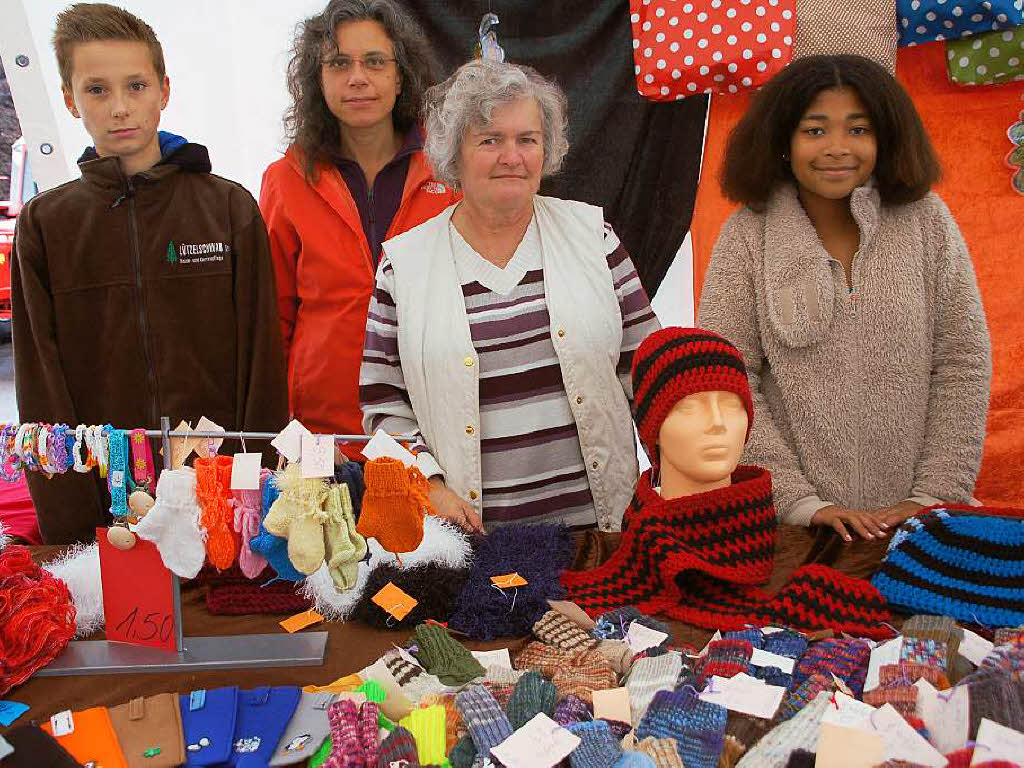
(970, 567)
(708, 46)
(149, 731)
(922, 21)
(994, 57)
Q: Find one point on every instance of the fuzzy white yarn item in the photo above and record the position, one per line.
(4, 538)
(443, 543)
(79, 568)
(173, 523)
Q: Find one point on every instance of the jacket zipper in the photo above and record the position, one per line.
(154, 409)
(373, 225)
(858, 480)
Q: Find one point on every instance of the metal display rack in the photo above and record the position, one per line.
(194, 654)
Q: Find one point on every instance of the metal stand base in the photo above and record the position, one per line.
(99, 657)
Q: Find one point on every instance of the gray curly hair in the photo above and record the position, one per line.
(468, 99)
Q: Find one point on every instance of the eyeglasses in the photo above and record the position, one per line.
(373, 62)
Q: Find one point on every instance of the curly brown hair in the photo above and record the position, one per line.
(754, 163)
(309, 124)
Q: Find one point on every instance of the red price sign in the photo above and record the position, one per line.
(138, 594)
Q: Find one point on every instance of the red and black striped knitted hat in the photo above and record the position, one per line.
(673, 363)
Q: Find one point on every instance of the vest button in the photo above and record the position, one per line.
(579, 401)
(594, 465)
(469, 429)
(468, 362)
(561, 333)
(473, 495)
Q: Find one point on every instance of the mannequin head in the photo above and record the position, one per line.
(700, 443)
(692, 408)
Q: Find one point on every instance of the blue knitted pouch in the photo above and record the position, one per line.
(970, 567)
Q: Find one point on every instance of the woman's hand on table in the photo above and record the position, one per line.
(866, 522)
(449, 506)
(897, 513)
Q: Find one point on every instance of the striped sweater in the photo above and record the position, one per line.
(531, 462)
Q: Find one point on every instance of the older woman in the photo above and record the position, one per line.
(502, 330)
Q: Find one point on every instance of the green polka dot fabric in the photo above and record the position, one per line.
(995, 57)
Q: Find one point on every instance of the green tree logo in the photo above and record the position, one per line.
(172, 253)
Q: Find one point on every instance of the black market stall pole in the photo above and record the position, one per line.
(194, 654)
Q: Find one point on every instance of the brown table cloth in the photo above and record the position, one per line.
(352, 645)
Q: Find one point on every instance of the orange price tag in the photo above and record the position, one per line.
(302, 620)
(395, 601)
(509, 580)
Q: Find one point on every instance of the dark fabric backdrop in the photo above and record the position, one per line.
(637, 159)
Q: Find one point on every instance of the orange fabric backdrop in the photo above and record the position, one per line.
(968, 126)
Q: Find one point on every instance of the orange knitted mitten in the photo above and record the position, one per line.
(396, 499)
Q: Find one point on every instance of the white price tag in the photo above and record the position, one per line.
(541, 741)
(885, 653)
(497, 658)
(945, 713)
(640, 638)
(714, 637)
(974, 647)
(902, 742)
(762, 658)
(208, 446)
(848, 712)
(289, 441)
(383, 444)
(62, 724)
(245, 471)
(997, 742)
(746, 694)
(317, 455)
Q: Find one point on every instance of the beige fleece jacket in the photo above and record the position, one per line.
(862, 397)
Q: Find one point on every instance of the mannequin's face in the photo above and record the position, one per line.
(700, 443)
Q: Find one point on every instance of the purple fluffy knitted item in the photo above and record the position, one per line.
(434, 587)
(538, 553)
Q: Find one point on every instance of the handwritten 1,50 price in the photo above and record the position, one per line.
(149, 627)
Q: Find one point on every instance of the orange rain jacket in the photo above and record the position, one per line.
(325, 275)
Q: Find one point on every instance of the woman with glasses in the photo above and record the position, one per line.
(354, 175)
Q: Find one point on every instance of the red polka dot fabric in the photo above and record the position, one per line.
(685, 47)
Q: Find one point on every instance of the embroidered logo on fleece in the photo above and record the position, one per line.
(434, 187)
(196, 253)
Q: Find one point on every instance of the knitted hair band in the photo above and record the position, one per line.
(673, 363)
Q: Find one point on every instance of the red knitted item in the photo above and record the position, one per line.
(250, 597)
(699, 559)
(213, 492)
(37, 617)
(673, 363)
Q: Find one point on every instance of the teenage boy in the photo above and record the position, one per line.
(144, 288)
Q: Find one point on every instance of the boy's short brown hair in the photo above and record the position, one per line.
(89, 22)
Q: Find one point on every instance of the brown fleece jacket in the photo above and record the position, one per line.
(863, 397)
(136, 298)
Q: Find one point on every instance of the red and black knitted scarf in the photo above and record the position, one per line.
(702, 559)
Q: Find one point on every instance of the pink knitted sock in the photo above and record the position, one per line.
(247, 522)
